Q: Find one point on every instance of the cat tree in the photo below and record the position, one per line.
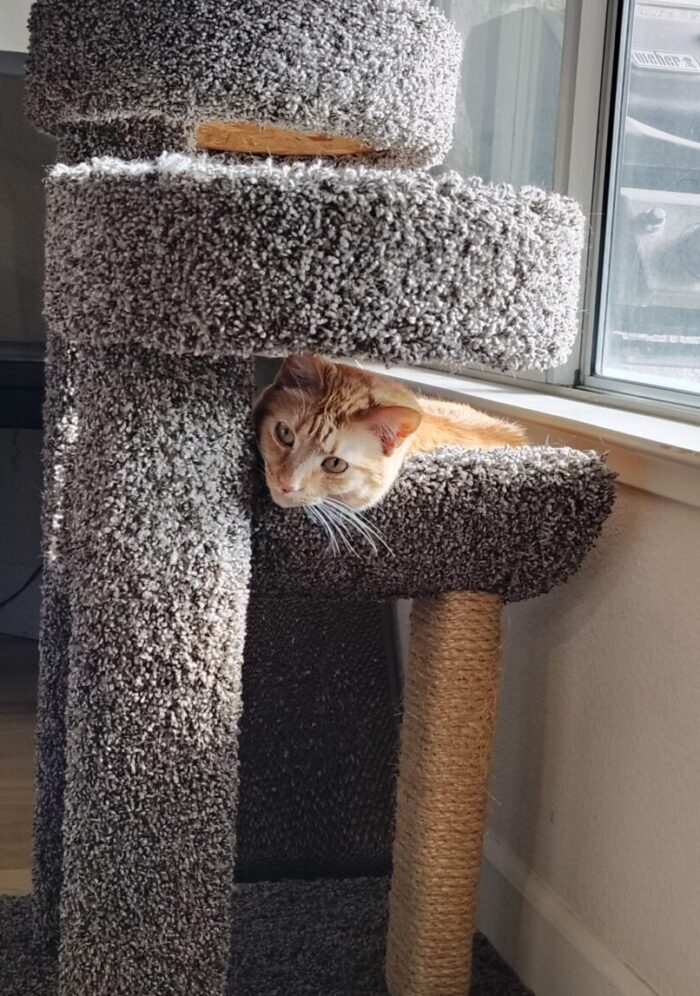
(167, 268)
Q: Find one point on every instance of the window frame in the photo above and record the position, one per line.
(673, 402)
(587, 142)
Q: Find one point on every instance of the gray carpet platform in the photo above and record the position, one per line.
(387, 264)
(381, 70)
(289, 939)
(514, 522)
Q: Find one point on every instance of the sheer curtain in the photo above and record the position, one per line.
(509, 88)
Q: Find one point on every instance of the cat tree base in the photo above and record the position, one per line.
(446, 742)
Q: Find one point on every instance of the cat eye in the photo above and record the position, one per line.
(334, 465)
(284, 434)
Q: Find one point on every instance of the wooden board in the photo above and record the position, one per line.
(253, 138)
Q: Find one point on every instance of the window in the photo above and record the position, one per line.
(508, 99)
(647, 337)
(601, 100)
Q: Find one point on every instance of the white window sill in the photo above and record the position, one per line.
(654, 454)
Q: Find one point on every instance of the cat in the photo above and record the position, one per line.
(336, 435)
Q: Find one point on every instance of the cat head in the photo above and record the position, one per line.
(331, 431)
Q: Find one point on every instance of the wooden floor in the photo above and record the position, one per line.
(18, 677)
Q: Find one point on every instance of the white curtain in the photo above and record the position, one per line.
(509, 87)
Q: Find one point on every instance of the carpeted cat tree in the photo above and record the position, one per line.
(174, 255)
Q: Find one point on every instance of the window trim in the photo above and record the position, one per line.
(583, 108)
(675, 403)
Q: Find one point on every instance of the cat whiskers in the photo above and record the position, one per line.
(337, 530)
(356, 520)
(339, 520)
(341, 527)
(315, 514)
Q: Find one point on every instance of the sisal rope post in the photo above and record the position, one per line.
(447, 735)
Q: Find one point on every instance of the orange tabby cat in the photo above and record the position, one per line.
(334, 434)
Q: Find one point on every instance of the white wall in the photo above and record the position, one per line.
(595, 793)
(13, 25)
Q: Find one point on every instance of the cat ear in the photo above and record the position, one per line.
(303, 371)
(390, 424)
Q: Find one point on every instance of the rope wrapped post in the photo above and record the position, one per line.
(447, 735)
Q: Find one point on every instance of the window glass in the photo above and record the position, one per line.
(649, 319)
(508, 98)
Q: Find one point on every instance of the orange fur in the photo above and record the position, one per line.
(446, 423)
(332, 415)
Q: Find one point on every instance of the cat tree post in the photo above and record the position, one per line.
(159, 562)
(449, 717)
(54, 644)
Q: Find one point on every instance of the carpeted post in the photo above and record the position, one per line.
(59, 438)
(447, 733)
(159, 563)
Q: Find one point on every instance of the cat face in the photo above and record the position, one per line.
(331, 432)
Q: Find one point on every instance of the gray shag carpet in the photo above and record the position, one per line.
(125, 138)
(382, 70)
(318, 740)
(515, 522)
(54, 639)
(323, 938)
(389, 264)
(157, 566)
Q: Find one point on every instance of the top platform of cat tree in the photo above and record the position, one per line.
(370, 78)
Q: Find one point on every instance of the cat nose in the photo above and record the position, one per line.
(285, 487)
